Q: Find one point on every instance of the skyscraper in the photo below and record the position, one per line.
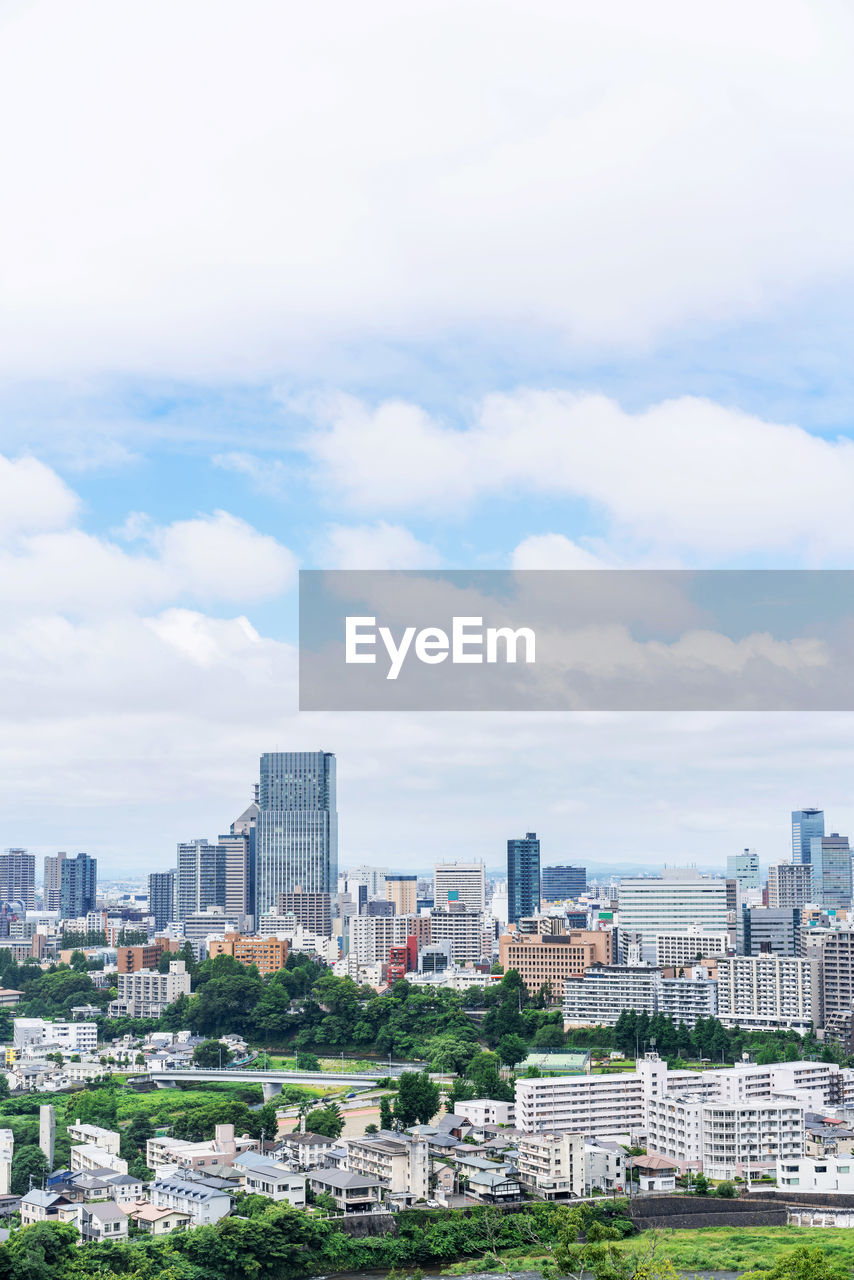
(402, 891)
(830, 858)
(459, 882)
(744, 868)
(199, 878)
(523, 877)
(53, 880)
(161, 897)
(297, 832)
(246, 825)
(18, 877)
(560, 883)
(807, 824)
(78, 888)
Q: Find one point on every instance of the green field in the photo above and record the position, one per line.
(709, 1248)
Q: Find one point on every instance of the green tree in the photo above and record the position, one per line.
(386, 1117)
(212, 1053)
(803, 1263)
(29, 1168)
(327, 1120)
(418, 1098)
(512, 1049)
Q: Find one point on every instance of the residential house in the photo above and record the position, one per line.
(160, 1221)
(352, 1192)
(400, 1161)
(307, 1150)
(655, 1173)
(263, 1177)
(604, 1166)
(205, 1205)
(42, 1206)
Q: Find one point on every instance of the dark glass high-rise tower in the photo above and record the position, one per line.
(161, 897)
(296, 838)
(523, 877)
(78, 888)
(560, 883)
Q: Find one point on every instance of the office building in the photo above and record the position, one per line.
(523, 877)
(402, 892)
(202, 925)
(463, 882)
(689, 947)
(199, 878)
(789, 884)
(560, 883)
(313, 911)
(78, 889)
(807, 825)
(18, 877)
(603, 992)
(677, 900)
(239, 893)
(546, 959)
(246, 825)
(769, 929)
(297, 833)
(770, 991)
(830, 858)
(744, 869)
(372, 878)
(161, 898)
(53, 880)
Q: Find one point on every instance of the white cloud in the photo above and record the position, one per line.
(33, 497)
(374, 546)
(48, 564)
(266, 475)
(554, 551)
(685, 475)
(608, 171)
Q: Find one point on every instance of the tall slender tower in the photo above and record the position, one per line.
(297, 828)
(18, 877)
(78, 889)
(523, 877)
(53, 880)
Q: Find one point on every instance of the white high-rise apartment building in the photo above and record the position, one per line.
(372, 936)
(470, 933)
(460, 882)
(53, 880)
(725, 1139)
(146, 993)
(678, 900)
(770, 991)
(789, 884)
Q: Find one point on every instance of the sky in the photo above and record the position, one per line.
(408, 284)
